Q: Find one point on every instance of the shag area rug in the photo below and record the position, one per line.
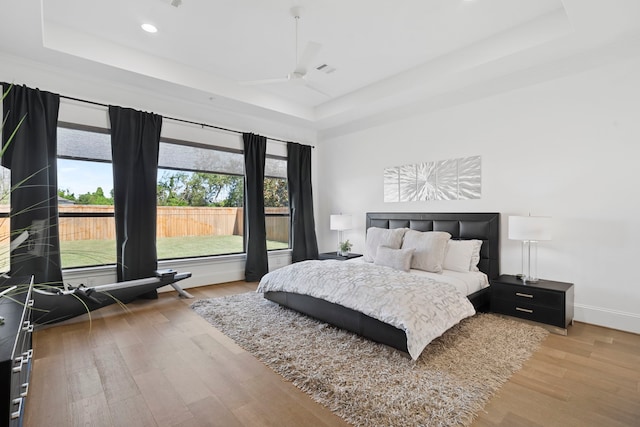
(369, 384)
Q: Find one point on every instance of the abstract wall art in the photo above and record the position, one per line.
(455, 179)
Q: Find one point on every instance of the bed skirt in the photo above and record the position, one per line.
(355, 321)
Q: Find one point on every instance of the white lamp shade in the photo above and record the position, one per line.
(341, 222)
(530, 228)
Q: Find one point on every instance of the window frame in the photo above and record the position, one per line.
(174, 141)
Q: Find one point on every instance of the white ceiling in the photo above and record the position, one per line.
(386, 54)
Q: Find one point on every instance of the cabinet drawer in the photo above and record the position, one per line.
(15, 349)
(23, 339)
(16, 412)
(534, 312)
(526, 295)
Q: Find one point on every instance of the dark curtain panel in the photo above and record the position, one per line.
(304, 244)
(135, 138)
(255, 230)
(31, 156)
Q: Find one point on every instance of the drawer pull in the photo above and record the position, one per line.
(519, 294)
(19, 361)
(16, 414)
(24, 358)
(25, 386)
(27, 326)
(526, 310)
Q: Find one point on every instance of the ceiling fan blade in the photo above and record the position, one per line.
(264, 81)
(307, 57)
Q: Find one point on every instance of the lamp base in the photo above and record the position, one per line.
(526, 279)
(529, 261)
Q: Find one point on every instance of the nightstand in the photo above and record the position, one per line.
(334, 255)
(544, 301)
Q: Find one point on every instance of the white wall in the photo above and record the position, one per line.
(568, 148)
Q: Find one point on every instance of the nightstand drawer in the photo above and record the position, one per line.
(534, 312)
(528, 295)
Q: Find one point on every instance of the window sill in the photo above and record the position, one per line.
(231, 269)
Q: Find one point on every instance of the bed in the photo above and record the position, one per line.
(461, 226)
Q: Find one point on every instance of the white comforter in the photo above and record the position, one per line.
(422, 307)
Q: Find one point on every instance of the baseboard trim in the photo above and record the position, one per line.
(614, 319)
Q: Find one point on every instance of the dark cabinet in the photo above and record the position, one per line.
(16, 353)
(544, 301)
(334, 255)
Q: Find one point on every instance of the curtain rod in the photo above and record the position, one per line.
(179, 120)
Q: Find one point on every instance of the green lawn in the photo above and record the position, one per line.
(78, 253)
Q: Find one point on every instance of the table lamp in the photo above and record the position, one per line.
(340, 223)
(530, 230)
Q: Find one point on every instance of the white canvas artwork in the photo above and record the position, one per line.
(454, 179)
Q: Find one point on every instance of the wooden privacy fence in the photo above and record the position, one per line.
(173, 221)
(277, 226)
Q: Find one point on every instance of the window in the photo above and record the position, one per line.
(276, 203)
(85, 197)
(200, 199)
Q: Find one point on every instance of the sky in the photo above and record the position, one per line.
(81, 177)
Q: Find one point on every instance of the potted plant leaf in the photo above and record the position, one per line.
(345, 247)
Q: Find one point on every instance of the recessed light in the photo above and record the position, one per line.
(149, 28)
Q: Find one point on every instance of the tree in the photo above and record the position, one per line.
(235, 192)
(67, 194)
(178, 188)
(95, 198)
(199, 189)
(170, 189)
(276, 192)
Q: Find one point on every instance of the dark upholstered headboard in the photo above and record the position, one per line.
(461, 226)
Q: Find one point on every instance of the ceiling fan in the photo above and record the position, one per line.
(303, 63)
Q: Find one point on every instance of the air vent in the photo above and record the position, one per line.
(327, 69)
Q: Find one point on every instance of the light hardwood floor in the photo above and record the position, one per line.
(160, 364)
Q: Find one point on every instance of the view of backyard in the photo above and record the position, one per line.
(77, 253)
(182, 232)
(203, 231)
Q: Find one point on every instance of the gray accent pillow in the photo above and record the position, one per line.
(400, 259)
(391, 238)
(430, 248)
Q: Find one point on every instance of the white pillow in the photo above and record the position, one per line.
(430, 247)
(400, 259)
(391, 238)
(475, 256)
(459, 255)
